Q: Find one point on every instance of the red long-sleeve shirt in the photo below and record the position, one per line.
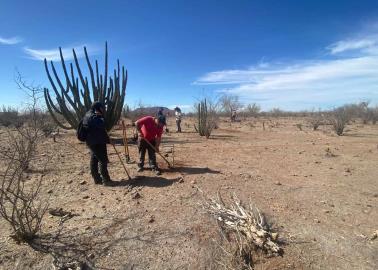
(149, 128)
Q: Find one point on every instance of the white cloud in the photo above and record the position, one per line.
(183, 107)
(10, 41)
(348, 45)
(311, 83)
(53, 54)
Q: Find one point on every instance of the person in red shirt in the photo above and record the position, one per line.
(149, 129)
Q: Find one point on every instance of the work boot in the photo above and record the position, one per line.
(96, 178)
(156, 171)
(107, 182)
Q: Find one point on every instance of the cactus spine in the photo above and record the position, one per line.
(73, 100)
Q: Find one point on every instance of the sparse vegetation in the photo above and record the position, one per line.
(20, 203)
(339, 118)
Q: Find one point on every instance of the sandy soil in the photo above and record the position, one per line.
(319, 190)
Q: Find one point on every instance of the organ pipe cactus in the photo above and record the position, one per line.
(71, 99)
(205, 119)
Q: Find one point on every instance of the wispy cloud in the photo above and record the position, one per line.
(333, 80)
(184, 107)
(364, 44)
(10, 41)
(53, 54)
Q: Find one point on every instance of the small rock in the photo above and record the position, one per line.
(91, 256)
(274, 236)
(86, 197)
(374, 235)
(151, 219)
(136, 195)
(181, 180)
(326, 211)
(83, 182)
(316, 220)
(50, 191)
(70, 181)
(87, 228)
(278, 183)
(193, 182)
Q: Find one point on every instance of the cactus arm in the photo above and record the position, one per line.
(82, 80)
(94, 87)
(104, 88)
(50, 107)
(63, 91)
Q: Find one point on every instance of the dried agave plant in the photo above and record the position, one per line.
(244, 231)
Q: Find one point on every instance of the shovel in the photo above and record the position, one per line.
(127, 154)
(153, 147)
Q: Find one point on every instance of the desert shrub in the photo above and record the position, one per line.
(252, 110)
(10, 117)
(19, 202)
(229, 103)
(316, 120)
(339, 118)
(374, 115)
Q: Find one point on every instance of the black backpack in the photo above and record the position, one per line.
(82, 131)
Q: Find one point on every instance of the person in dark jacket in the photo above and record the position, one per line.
(96, 140)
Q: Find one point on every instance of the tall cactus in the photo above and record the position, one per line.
(205, 119)
(72, 100)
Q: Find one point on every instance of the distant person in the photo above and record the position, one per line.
(160, 113)
(233, 115)
(178, 115)
(96, 140)
(150, 129)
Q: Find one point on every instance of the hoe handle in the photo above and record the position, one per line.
(153, 147)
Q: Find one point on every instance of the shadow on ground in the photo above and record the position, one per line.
(145, 181)
(194, 170)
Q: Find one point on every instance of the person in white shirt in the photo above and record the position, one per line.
(178, 118)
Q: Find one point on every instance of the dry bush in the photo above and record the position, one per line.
(316, 120)
(20, 203)
(339, 118)
(245, 234)
(10, 117)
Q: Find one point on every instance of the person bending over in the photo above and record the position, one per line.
(150, 130)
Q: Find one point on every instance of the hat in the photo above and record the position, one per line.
(161, 120)
(97, 105)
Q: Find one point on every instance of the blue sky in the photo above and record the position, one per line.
(289, 54)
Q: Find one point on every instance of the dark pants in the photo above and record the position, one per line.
(178, 124)
(142, 147)
(99, 158)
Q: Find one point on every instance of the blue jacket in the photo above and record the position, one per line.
(96, 133)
